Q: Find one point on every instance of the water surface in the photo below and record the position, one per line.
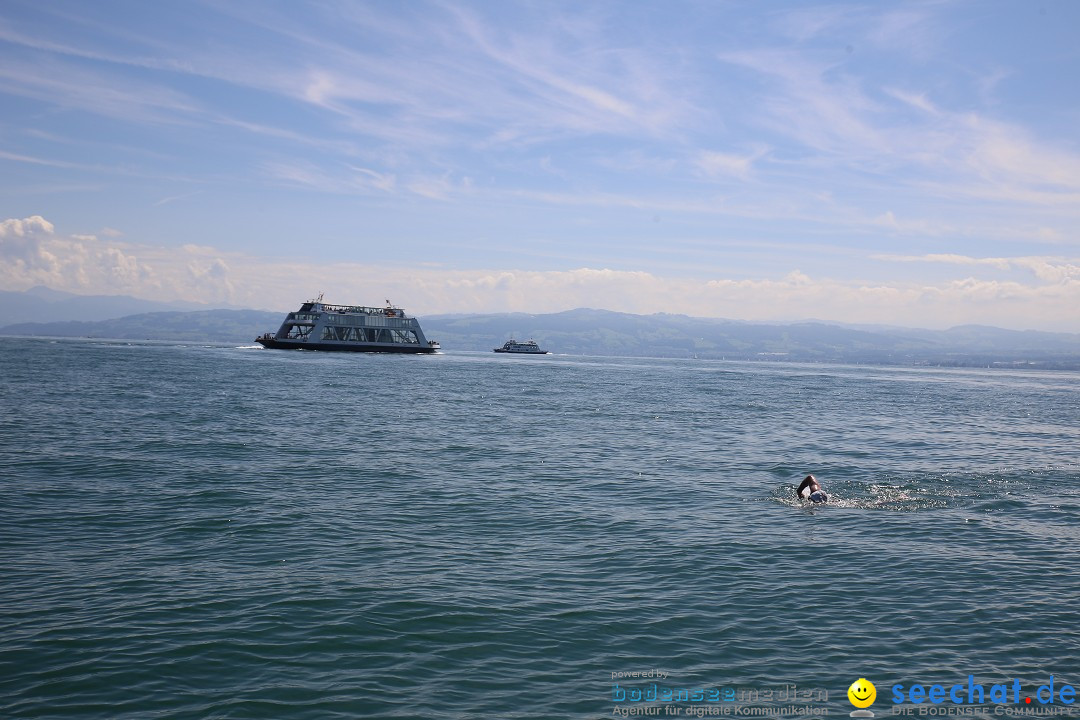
(231, 532)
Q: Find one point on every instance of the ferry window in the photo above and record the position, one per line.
(404, 336)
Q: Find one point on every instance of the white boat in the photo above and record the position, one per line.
(529, 347)
(349, 328)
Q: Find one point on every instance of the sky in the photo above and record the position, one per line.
(902, 163)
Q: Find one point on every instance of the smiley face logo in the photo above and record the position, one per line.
(862, 693)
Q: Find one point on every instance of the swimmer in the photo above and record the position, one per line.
(810, 489)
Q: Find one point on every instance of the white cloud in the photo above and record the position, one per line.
(1054, 271)
(26, 227)
(20, 243)
(31, 252)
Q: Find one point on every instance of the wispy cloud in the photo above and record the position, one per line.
(854, 123)
(809, 102)
(174, 198)
(1052, 270)
(951, 259)
(714, 163)
(78, 88)
(19, 158)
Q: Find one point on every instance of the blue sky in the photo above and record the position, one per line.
(904, 163)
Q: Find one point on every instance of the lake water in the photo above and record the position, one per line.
(223, 532)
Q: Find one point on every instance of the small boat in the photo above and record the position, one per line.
(529, 347)
(349, 328)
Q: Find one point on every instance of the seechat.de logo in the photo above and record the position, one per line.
(972, 692)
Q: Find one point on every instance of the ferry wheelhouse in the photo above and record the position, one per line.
(529, 347)
(349, 328)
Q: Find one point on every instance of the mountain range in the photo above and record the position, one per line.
(584, 331)
(41, 304)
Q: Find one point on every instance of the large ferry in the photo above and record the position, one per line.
(529, 347)
(349, 328)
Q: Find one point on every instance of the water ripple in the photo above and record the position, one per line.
(235, 533)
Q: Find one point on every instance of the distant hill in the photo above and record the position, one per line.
(41, 304)
(228, 326)
(602, 332)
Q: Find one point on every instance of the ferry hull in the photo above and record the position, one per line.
(275, 344)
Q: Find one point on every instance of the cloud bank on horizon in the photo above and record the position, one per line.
(911, 163)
